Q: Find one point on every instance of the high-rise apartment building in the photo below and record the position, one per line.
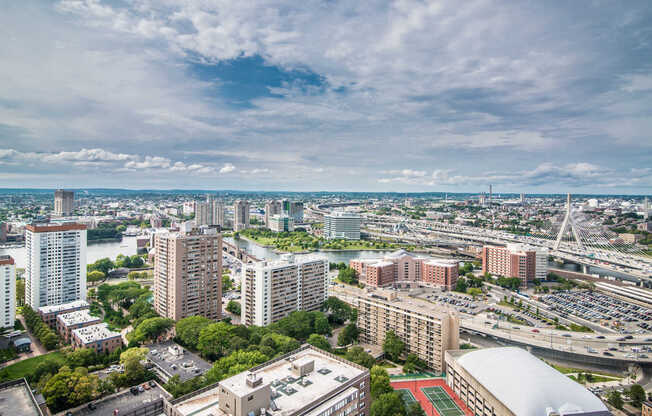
(516, 260)
(344, 225)
(64, 203)
(271, 208)
(210, 212)
(303, 382)
(56, 264)
(426, 329)
(3, 232)
(271, 290)
(400, 267)
(240, 215)
(7, 291)
(188, 273)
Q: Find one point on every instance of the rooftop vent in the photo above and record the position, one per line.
(253, 380)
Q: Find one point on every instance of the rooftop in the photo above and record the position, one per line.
(289, 391)
(77, 317)
(6, 259)
(94, 333)
(287, 260)
(54, 227)
(527, 385)
(16, 398)
(63, 307)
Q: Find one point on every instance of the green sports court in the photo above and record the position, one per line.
(443, 403)
(407, 396)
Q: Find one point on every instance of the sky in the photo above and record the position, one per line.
(441, 96)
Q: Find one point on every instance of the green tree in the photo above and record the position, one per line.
(636, 394)
(393, 346)
(151, 329)
(134, 370)
(321, 325)
(94, 276)
(319, 341)
(339, 311)
(379, 382)
(214, 340)
(20, 292)
(348, 335)
(235, 363)
(615, 399)
(388, 404)
(81, 357)
(188, 330)
(103, 265)
(415, 409)
(359, 356)
(461, 285)
(70, 388)
(234, 307)
(348, 276)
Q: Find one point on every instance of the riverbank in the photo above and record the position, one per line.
(353, 247)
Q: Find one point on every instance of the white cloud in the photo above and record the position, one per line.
(227, 168)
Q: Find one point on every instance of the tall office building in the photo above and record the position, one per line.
(272, 290)
(344, 225)
(7, 291)
(426, 329)
(209, 213)
(240, 215)
(293, 210)
(56, 264)
(516, 260)
(64, 203)
(188, 273)
(271, 208)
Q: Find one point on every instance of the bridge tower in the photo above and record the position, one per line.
(568, 222)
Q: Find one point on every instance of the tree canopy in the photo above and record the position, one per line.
(393, 346)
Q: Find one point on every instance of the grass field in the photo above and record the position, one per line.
(442, 401)
(23, 368)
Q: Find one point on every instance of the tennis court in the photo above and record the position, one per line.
(407, 396)
(442, 401)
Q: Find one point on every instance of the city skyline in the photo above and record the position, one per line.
(403, 96)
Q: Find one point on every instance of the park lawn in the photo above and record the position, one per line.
(23, 368)
(568, 370)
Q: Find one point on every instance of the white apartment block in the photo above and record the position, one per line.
(7, 291)
(272, 290)
(342, 225)
(56, 264)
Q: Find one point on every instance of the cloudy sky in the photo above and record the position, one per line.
(542, 96)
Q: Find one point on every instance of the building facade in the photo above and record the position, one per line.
(342, 225)
(516, 260)
(400, 267)
(281, 223)
(96, 337)
(49, 313)
(304, 382)
(64, 203)
(293, 210)
(7, 291)
(56, 264)
(272, 290)
(426, 330)
(209, 213)
(67, 322)
(271, 208)
(188, 273)
(240, 215)
(509, 381)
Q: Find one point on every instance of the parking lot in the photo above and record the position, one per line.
(461, 303)
(598, 307)
(171, 359)
(123, 402)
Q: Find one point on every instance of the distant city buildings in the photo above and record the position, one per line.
(56, 264)
(188, 273)
(342, 225)
(401, 267)
(281, 223)
(516, 260)
(64, 203)
(271, 208)
(293, 210)
(240, 215)
(7, 291)
(427, 330)
(209, 213)
(304, 382)
(509, 381)
(271, 290)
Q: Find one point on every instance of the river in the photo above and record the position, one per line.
(93, 251)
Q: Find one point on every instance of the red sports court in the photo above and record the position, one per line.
(434, 396)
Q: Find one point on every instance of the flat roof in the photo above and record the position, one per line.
(64, 306)
(54, 227)
(291, 393)
(164, 360)
(16, 399)
(527, 385)
(77, 317)
(94, 333)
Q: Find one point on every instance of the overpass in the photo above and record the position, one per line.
(238, 253)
